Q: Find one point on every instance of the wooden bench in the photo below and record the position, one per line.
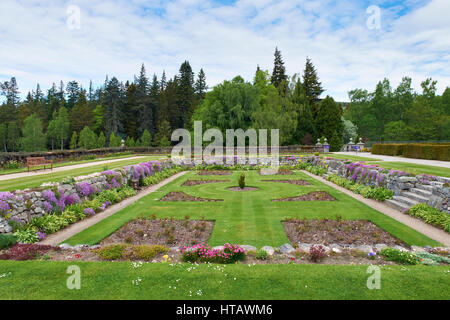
(38, 161)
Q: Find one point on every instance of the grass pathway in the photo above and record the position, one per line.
(33, 180)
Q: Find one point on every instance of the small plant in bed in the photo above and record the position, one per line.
(242, 181)
(130, 252)
(316, 253)
(201, 253)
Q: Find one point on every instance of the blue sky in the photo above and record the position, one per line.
(226, 38)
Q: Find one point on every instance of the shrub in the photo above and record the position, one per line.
(143, 252)
(402, 257)
(261, 254)
(7, 240)
(433, 151)
(23, 252)
(27, 236)
(201, 253)
(111, 252)
(430, 215)
(242, 181)
(316, 253)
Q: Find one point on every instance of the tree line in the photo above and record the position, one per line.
(144, 112)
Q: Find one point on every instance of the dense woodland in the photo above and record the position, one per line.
(145, 111)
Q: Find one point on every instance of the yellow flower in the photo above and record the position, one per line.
(165, 257)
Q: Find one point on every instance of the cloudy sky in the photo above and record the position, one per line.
(45, 42)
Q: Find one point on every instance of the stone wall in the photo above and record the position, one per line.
(397, 181)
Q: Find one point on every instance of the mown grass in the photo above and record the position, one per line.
(249, 217)
(113, 280)
(36, 181)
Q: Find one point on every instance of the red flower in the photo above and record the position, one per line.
(78, 256)
(292, 259)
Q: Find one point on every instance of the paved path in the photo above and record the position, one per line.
(436, 163)
(59, 237)
(65, 168)
(431, 232)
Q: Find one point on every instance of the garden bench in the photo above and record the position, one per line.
(38, 161)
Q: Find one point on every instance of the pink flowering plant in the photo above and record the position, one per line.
(231, 253)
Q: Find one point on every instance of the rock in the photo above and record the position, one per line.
(96, 246)
(270, 250)
(218, 248)
(335, 246)
(174, 249)
(65, 246)
(79, 247)
(407, 179)
(417, 249)
(400, 248)
(304, 247)
(364, 248)
(286, 248)
(380, 246)
(248, 248)
(442, 249)
(336, 250)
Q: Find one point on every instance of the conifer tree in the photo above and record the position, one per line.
(312, 86)
(200, 85)
(279, 71)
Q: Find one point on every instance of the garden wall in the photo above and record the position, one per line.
(24, 205)
(394, 180)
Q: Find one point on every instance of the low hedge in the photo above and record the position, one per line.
(428, 151)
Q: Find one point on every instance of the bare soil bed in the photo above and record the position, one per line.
(163, 232)
(243, 189)
(312, 196)
(181, 196)
(324, 231)
(297, 182)
(189, 183)
(214, 173)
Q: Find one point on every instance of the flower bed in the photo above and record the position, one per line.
(202, 253)
(41, 213)
(430, 215)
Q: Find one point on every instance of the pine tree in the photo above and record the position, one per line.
(329, 122)
(81, 113)
(185, 95)
(279, 71)
(143, 103)
(3, 136)
(164, 133)
(313, 88)
(113, 102)
(73, 91)
(13, 136)
(200, 85)
(305, 125)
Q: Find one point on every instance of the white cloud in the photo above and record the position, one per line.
(117, 36)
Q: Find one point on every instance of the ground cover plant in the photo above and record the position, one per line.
(430, 215)
(249, 217)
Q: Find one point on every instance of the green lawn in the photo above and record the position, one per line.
(36, 181)
(70, 163)
(113, 280)
(414, 169)
(249, 217)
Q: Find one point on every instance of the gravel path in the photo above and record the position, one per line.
(436, 163)
(57, 238)
(65, 168)
(416, 224)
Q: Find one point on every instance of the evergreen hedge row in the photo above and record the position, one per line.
(431, 151)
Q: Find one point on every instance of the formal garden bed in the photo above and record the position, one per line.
(189, 183)
(169, 232)
(311, 196)
(182, 196)
(243, 189)
(327, 231)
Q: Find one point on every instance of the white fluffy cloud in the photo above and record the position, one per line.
(115, 37)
